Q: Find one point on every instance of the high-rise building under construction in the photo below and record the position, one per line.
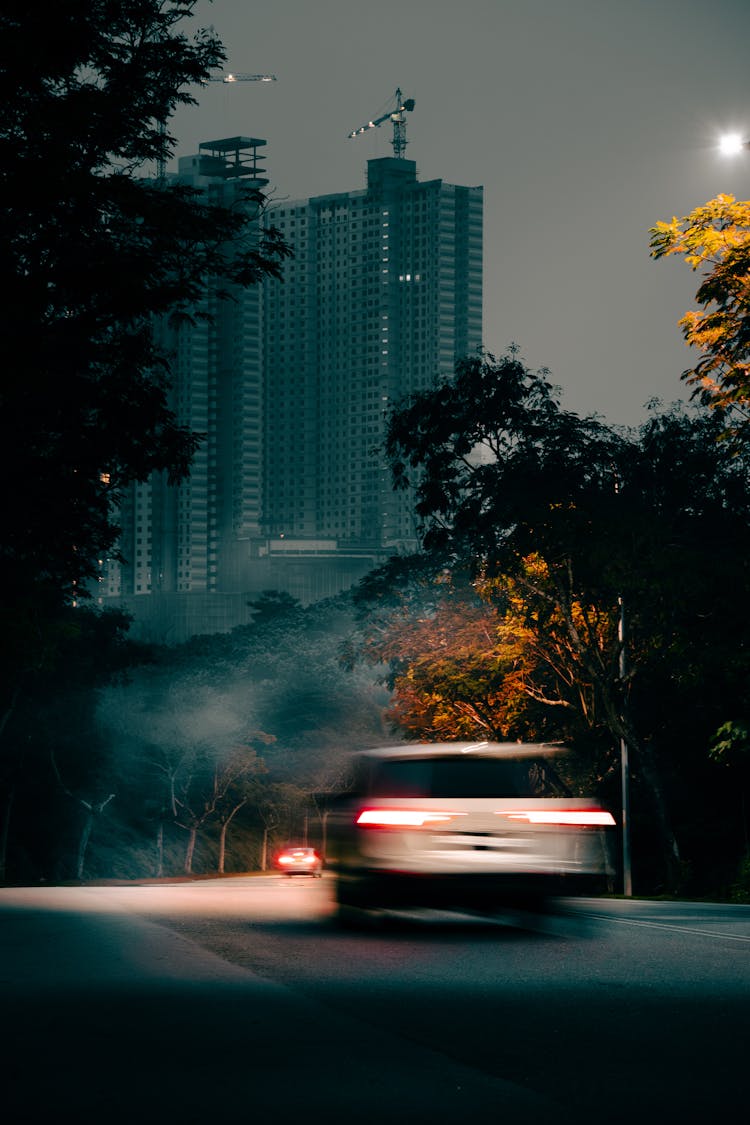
(291, 384)
(384, 294)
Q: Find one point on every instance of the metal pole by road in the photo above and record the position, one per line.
(627, 875)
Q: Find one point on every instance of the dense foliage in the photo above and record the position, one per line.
(91, 252)
(715, 239)
(558, 522)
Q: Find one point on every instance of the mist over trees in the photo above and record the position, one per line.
(52, 743)
(202, 758)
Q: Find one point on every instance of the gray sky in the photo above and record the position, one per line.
(585, 121)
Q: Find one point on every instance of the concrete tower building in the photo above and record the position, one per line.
(186, 547)
(384, 294)
(290, 384)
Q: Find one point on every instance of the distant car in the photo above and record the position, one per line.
(464, 825)
(299, 861)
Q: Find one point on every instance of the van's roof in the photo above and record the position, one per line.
(474, 749)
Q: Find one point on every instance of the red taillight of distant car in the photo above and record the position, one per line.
(404, 818)
(577, 818)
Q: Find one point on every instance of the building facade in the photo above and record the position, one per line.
(291, 383)
(184, 546)
(383, 295)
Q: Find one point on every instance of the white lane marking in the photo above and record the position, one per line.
(665, 926)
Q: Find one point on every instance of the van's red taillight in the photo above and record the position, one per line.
(404, 818)
(598, 818)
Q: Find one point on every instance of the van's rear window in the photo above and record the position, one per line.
(465, 777)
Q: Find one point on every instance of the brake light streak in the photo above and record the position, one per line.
(598, 818)
(404, 818)
(420, 818)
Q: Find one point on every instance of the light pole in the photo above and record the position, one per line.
(627, 874)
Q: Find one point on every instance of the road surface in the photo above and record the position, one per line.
(240, 1000)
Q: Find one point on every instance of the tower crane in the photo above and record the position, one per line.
(398, 117)
(243, 78)
(225, 78)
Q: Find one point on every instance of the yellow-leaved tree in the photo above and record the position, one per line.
(715, 239)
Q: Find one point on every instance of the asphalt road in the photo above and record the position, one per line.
(240, 999)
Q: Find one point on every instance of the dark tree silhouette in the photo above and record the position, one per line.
(91, 252)
(579, 515)
(92, 255)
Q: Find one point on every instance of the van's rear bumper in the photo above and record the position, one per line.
(369, 890)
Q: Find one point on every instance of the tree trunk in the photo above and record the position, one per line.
(10, 708)
(324, 829)
(618, 722)
(223, 835)
(190, 850)
(160, 849)
(4, 836)
(92, 812)
(222, 846)
(83, 843)
(645, 758)
(670, 847)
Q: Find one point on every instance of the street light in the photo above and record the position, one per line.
(627, 871)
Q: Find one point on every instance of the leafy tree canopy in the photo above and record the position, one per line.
(456, 654)
(502, 471)
(274, 605)
(715, 239)
(557, 518)
(503, 474)
(91, 252)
